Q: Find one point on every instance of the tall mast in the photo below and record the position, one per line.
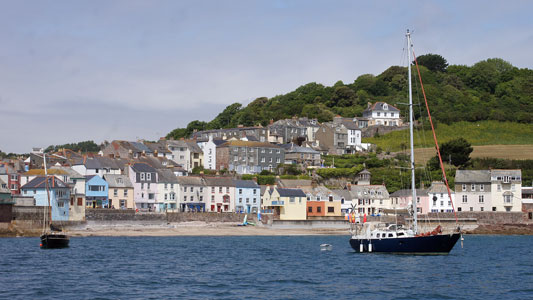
(47, 190)
(413, 186)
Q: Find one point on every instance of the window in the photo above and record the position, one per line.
(122, 203)
(148, 176)
(151, 196)
(255, 200)
(493, 208)
(507, 199)
(310, 209)
(166, 196)
(125, 193)
(481, 199)
(442, 203)
(482, 208)
(499, 187)
(80, 201)
(482, 187)
(184, 198)
(212, 198)
(472, 187)
(240, 191)
(262, 159)
(255, 191)
(331, 209)
(318, 209)
(166, 186)
(220, 189)
(60, 204)
(115, 192)
(142, 186)
(240, 200)
(278, 151)
(227, 189)
(464, 187)
(201, 198)
(201, 189)
(192, 198)
(212, 189)
(291, 199)
(142, 176)
(148, 186)
(465, 198)
(471, 209)
(277, 160)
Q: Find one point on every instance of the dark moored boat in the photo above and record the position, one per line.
(51, 240)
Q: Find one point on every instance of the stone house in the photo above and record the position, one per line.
(473, 190)
(192, 194)
(245, 157)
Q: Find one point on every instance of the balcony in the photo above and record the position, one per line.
(278, 203)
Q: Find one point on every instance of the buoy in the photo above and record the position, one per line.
(369, 247)
(40, 245)
(361, 247)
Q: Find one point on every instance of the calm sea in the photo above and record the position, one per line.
(488, 267)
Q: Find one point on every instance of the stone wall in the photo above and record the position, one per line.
(112, 215)
(6, 213)
(483, 218)
(381, 129)
(209, 217)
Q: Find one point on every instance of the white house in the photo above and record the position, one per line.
(439, 201)
(381, 113)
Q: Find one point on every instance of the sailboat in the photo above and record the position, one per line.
(52, 237)
(395, 238)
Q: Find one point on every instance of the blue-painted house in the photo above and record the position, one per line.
(59, 195)
(247, 196)
(96, 192)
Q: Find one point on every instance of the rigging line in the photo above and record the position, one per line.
(435, 139)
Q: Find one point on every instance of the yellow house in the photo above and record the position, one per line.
(120, 191)
(289, 204)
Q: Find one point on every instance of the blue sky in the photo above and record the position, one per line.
(101, 70)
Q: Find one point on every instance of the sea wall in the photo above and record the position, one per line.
(483, 218)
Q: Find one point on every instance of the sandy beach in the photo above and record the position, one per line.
(197, 229)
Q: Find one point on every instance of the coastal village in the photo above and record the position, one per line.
(157, 177)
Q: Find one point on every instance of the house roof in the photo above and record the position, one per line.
(142, 167)
(343, 194)
(291, 192)
(118, 181)
(438, 187)
(166, 176)
(100, 162)
(369, 191)
(71, 172)
(219, 181)
(291, 148)
(380, 106)
(191, 180)
(464, 176)
(408, 193)
(39, 183)
(50, 171)
(159, 146)
(250, 184)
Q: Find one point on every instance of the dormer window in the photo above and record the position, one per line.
(148, 176)
(142, 176)
(385, 106)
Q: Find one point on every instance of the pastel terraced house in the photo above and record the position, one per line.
(221, 193)
(120, 191)
(144, 180)
(96, 192)
(59, 195)
(167, 191)
(247, 196)
(287, 204)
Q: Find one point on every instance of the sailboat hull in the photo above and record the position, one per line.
(434, 244)
(50, 240)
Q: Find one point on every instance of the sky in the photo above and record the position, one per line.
(73, 71)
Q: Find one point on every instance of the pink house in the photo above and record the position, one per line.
(402, 198)
(144, 180)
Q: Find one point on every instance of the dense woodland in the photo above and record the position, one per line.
(492, 89)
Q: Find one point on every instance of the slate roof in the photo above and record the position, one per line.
(438, 187)
(39, 183)
(142, 167)
(369, 192)
(408, 193)
(166, 176)
(219, 142)
(50, 171)
(160, 147)
(71, 173)
(293, 183)
(113, 181)
(100, 162)
(343, 194)
(219, 181)
(291, 192)
(190, 144)
(191, 180)
(467, 176)
(379, 106)
(247, 184)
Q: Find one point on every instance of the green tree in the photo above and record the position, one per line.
(457, 151)
(433, 62)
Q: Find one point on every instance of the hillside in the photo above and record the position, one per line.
(477, 133)
(491, 89)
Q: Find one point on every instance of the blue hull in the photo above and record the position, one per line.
(434, 244)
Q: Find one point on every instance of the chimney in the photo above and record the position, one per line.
(240, 126)
(337, 119)
(271, 121)
(349, 186)
(368, 105)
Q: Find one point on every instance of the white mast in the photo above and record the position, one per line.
(413, 186)
(47, 190)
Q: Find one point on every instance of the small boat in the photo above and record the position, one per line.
(52, 237)
(369, 237)
(326, 247)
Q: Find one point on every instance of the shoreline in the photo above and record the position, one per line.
(198, 228)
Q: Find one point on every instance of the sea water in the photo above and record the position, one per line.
(261, 267)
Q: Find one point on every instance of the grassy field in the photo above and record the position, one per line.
(478, 134)
(422, 155)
